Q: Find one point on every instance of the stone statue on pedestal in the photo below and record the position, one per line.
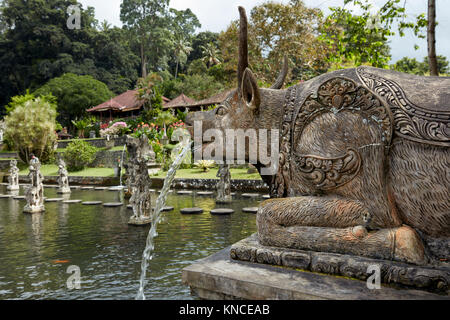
(63, 179)
(13, 178)
(138, 182)
(35, 193)
(362, 160)
(224, 184)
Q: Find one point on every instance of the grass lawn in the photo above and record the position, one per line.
(52, 170)
(211, 174)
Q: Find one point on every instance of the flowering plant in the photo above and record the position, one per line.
(118, 128)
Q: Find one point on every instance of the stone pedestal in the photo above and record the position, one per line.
(136, 221)
(64, 190)
(34, 209)
(12, 187)
(285, 274)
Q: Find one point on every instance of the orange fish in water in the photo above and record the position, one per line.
(60, 261)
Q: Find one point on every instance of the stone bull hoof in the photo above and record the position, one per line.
(399, 244)
(278, 229)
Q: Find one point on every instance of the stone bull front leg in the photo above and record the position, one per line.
(336, 225)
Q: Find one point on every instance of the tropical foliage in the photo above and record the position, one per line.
(30, 127)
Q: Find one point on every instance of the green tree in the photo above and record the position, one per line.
(275, 30)
(181, 51)
(201, 40)
(75, 94)
(409, 65)
(210, 54)
(363, 38)
(30, 127)
(147, 21)
(149, 92)
(441, 63)
(36, 46)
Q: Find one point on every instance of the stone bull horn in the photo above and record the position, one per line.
(243, 45)
(282, 76)
(243, 54)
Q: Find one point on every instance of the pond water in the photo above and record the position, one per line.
(36, 250)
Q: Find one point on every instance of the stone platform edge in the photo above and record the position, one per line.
(218, 277)
(431, 278)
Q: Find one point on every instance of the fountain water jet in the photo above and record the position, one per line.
(156, 216)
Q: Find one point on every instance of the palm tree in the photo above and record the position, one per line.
(182, 49)
(105, 26)
(210, 55)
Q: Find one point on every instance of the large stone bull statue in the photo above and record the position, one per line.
(364, 162)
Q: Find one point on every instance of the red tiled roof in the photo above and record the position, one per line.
(127, 101)
(180, 101)
(216, 99)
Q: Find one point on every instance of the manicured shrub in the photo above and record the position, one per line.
(79, 154)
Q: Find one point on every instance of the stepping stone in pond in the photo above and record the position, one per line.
(71, 201)
(50, 186)
(266, 196)
(130, 207)
(54, 199)
(184, 192)
(205, 193)
(113, 204)
(222, 211)
(116, 188)
(4, 196)
(167, 209)
(100, 188)
(19, 198)
(91, 203)
(250, 210)
(87, 188)
(75, 187)
(250, 195)
(191, 210)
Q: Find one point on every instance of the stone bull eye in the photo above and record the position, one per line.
(221, 111)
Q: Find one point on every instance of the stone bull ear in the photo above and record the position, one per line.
(249, 90)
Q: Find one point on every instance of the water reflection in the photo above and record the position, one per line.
(106, 249)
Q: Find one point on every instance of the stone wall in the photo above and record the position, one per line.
(107, 159)
(98, 142)
(210, 184)
(4, 164)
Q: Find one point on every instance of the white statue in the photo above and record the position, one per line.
(2, 130)
(13, 178)
(63, 179)
(35, 193)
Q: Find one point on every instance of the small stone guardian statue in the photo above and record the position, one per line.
(224, 184)
(63, 179)
(13, 178)
(35, 193)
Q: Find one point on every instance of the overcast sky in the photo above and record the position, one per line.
(215, 15)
